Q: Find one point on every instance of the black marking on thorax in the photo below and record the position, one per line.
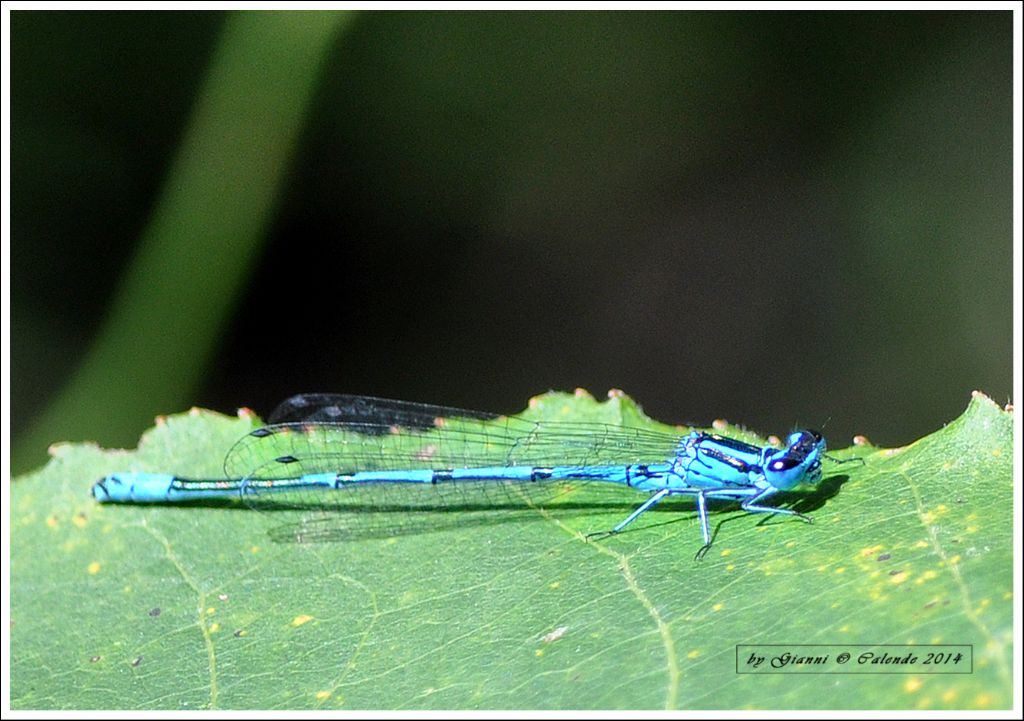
(737, 463)
(734, 444)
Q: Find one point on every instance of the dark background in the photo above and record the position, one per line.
(778, 218)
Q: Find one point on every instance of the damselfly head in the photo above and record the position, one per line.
(805, 442)
(799, 463)
(813, 475)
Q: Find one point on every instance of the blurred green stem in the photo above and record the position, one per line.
(205, 234)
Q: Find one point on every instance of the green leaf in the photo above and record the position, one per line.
(196, 607)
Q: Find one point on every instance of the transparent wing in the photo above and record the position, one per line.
(370, 434)
(383, 510)
(347, 434)
(344, 408)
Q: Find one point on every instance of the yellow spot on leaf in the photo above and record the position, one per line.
(254, 549)
(718, 607)
(983, 699)
(299, 620)
(538, 652)
(214, 627)
(844, 629)
(731, 567)
(955, 560)
(693, 654)
(554, 584)
(726, 551)
(841, 569)
(949, 695)
(323, 695)
(921, 544)
(94, 568)
(210, 611)
(79, 520)
(929, 574)
(898, 577)
(871, 550)
(912, 684)
(52, 521)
